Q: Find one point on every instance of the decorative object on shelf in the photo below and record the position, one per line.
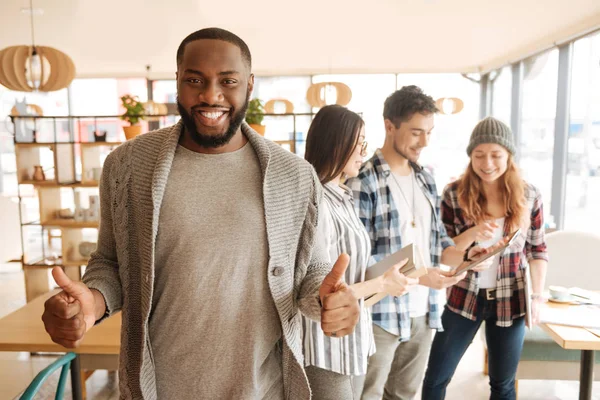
(22, 108)
(35, 68)
(449, 105)
(52, 259)
(90, 215)
(65, 213)
(134, 112)
(100, 136)
(324, 93)
(77, 199)
(79, 214)
(97, 173)
(38, 173)
(93, 212)
(25, 127)
(86, 248)
(152, 110)
(94, 201)
(255, 116)
(275, 106)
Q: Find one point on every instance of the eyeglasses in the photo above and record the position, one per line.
(363, 148)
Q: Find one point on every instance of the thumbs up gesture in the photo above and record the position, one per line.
(340, 310)
(69, 314)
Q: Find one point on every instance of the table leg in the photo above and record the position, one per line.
(76, 378)
(586, 374)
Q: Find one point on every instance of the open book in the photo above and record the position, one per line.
(414, 268)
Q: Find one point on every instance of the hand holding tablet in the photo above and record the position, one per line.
(487, 254)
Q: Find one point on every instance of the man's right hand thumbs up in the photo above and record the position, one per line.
(69, 314)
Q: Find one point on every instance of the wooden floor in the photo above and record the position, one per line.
(18, 369)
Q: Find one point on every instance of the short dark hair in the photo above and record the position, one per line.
(331, 139)
(217, 34)
(401, 105)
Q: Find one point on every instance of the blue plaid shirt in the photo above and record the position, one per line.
(379, 214)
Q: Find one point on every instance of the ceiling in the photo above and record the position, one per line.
(119, 38)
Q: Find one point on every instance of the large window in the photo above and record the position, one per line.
(446, 155)
(583, 167)
(537, 127)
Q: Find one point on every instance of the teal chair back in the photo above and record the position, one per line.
(36, 384)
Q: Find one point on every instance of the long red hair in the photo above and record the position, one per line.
(473, 202)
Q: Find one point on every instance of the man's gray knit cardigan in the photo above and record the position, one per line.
(122, 268)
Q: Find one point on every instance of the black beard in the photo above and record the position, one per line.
(237, 117)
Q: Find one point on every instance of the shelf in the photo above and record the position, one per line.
(70, 223)
(92, 144)
(75, 263)
(88, 183)
(46, 144)
(53, 184)
(42, 265)
(46, 183)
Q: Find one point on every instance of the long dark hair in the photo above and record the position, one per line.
(332, 137)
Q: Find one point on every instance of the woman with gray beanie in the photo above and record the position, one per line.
(489, 201)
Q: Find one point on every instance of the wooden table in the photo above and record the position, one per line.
(574, 338)
(23, 330)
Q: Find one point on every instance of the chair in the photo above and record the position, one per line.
(573, 261)
(36, 384)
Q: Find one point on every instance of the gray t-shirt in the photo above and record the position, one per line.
(214, 329)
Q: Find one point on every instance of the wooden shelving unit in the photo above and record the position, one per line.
(71, 165)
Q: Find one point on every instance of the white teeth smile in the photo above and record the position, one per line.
(491, 171)
(212, 115)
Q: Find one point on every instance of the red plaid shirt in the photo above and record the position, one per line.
(510, 289)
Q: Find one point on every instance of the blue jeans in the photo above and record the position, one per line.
(504, 350)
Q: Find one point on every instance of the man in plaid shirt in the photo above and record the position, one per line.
(399, 204)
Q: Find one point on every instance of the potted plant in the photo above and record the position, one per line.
(134, 112)
(255, 115)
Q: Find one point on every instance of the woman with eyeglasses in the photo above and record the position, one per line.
(335, 146)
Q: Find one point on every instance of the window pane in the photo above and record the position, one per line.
(91, 97)
(103, 96)
(165, 91)
(52, 103)
(446, 155)
(536, 139)
(292, 88)
(583, 167)
(502, 96)
(369, 91)
(284, 129)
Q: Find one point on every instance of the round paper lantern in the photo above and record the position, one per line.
(316, 95)
(25, 69)
(449, 105)
(272, 105)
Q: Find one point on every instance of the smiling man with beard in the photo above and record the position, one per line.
(208, 242)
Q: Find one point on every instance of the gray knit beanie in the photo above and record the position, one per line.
(491, 130)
